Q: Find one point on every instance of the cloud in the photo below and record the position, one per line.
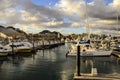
(97, 13)
(64, 14)
(76, 24)
(116, 4)
(72, 8)
(53, 23)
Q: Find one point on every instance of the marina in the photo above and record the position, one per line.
(40, 55)
(44, 62)
(59, 40)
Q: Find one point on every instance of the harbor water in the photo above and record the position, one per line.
(52, 64)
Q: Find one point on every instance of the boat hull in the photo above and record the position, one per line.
(2, 54)
(24, 51)
(91, 53)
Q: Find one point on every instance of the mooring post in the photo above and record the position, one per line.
(43, 41)
(33, 41)
(33, 45)
(12, 48)
(78, 61)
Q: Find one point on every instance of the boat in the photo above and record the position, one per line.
(20, 47)
(3, 51)
(24, 47)
(86, 49)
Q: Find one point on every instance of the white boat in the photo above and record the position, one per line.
(88, 50)
(20, 47)
(24, 47)
(3, 51)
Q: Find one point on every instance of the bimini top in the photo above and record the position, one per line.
(83, 42)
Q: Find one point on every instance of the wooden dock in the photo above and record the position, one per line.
(97, 77)
(48, 46)
(94, 75)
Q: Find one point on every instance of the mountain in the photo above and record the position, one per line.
(50, 35)
(49, 32)
(44, 32)
(11, 31)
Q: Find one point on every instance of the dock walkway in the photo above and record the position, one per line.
(100, 76)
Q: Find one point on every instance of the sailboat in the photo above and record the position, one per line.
(86, 48)
(115, 42)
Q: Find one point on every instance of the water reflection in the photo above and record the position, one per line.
(52, 64)
(106, 65)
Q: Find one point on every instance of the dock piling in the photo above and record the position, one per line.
(78, 61)
(12, 47)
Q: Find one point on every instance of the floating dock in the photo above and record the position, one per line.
(98, 76)
(103, 77)
(49, 46)
(94, 75)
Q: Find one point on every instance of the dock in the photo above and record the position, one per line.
(116, 54)
(98, 77)
(39, 45)
(48, 46)
(94, 75)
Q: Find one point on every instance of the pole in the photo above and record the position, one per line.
(12, 47)
(78, 61)
(33, 43)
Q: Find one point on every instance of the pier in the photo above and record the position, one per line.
(94, 74)
(47, 43)
(98, 77)
(37, 47)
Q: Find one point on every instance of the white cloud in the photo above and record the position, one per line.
(31, 16)
(116, 4)
(52, 23)
(72, 7)
(75, 24)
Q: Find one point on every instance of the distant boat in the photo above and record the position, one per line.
(24, 47)
(20, 47)
(86, 49)
(3, 51)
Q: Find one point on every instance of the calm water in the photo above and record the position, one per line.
(52, 64)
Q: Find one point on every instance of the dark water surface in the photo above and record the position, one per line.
(52, 64)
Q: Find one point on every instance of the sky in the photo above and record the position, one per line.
(65, 16)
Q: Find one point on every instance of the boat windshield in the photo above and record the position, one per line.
(87, 46)
(1, 47)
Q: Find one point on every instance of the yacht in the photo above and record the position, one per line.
(86, 49)
(3, 51)
(24, 47)
(20, 47)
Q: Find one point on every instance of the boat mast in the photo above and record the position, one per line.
(87, 24)
(117, 26)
